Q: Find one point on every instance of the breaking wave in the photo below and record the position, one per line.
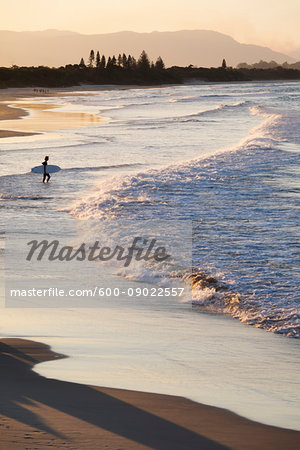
(243, 222)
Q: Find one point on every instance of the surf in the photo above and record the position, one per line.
(231, 178)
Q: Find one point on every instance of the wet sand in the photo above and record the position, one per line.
(37, 413)
(10, 114)
(39, 117)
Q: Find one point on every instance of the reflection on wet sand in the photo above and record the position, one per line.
(48, 117)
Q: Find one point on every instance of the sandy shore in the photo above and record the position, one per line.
(37, 413)
(8, 113)
(39, 117)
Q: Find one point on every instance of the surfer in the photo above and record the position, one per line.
(46, 175)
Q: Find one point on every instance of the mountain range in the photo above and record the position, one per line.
(201, 48)
(296, 54)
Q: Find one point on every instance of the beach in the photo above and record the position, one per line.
(9, 113)
(37, 412)
(127, 155)
(39, 117)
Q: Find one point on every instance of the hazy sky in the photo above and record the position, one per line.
(265, 22)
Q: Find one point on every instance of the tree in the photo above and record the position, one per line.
(160, 65)
(120, 60)
(82, 64)
(124, 61)
(109, 64)
(103, 63)
(113, 61)
(91, 58)
(129, 62)
(98, 60)
(143, 62)
(224, 65)
(133, 63)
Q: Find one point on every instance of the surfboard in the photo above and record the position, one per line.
(50, 169)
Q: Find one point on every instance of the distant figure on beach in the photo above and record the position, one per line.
(46, 175)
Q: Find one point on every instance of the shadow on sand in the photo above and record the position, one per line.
(21, 387)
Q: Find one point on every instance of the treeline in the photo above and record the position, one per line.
(98, 70)
(227, 74)
(101, 63)
(126, 70)
(269, 65)
(123, 69)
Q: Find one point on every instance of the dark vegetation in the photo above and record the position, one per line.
(126, 70)
(269, 65)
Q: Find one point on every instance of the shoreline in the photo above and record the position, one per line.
(38, 412)
(39, 117)
(106, 384)
(11, 110)
(11, 113)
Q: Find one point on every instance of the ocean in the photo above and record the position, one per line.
(212, 172)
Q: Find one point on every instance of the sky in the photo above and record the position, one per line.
(271, 23)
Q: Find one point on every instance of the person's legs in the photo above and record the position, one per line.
(44, 177)
(48, 177)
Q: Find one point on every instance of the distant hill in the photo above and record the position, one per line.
(200, 47)
(295, 54)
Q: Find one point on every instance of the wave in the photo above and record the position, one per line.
(231, 229)
(124, 195)
(96, 168)
(196, 98)
(213, 295)
(284, 126)
(80, 140)
(114, 195)
(217, 108)
(8, 196)
(195, 117)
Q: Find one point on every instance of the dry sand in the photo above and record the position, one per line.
(37, 413)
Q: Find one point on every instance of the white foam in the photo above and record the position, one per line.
(145, 195)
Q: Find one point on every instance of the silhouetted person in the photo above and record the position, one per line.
(46, 175)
